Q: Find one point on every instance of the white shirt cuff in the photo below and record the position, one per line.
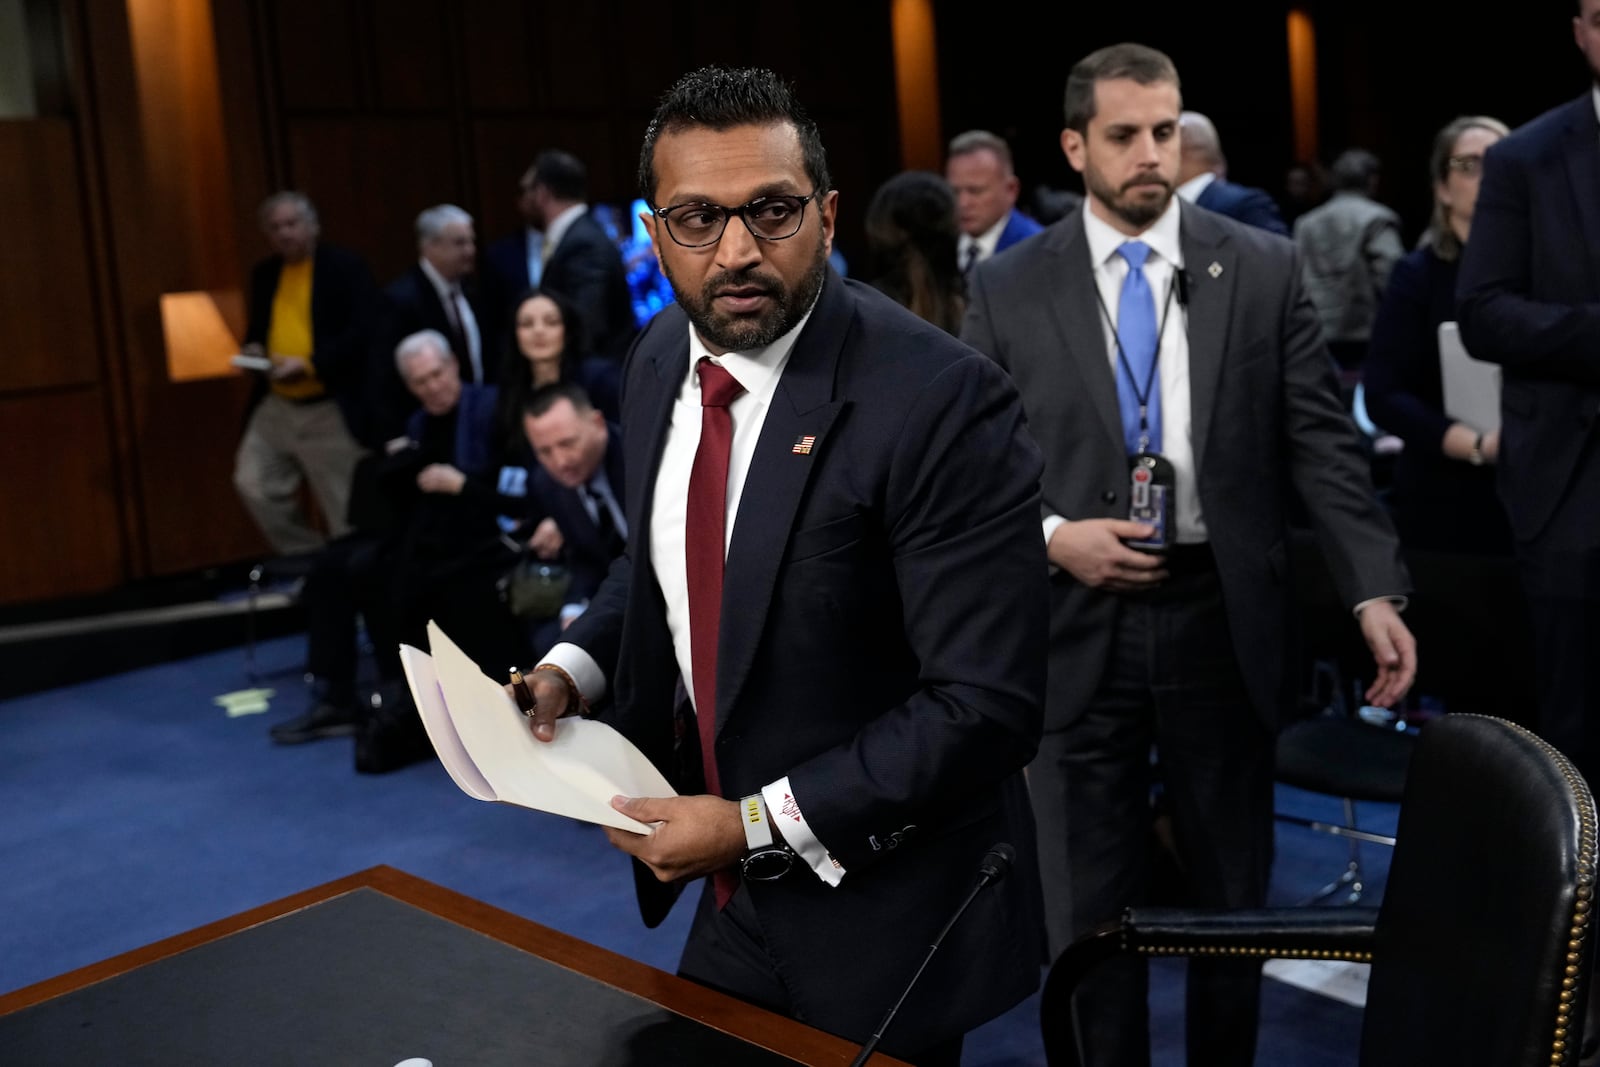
(585, 672)
(788, 820)
(1052, 523)
(1399, 603)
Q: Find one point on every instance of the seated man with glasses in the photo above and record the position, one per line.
(832, 511)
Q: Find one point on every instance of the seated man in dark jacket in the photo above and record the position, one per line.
(575, 495)
(444, 481)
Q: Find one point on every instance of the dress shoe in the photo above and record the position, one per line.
(323, 720)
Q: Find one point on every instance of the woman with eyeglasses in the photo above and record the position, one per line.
(1444, 478)
(1450, 520)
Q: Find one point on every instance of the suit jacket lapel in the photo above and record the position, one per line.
(1582, 157)
(1208, 260)
(1077, 315)
(669, 364)
(802, 406)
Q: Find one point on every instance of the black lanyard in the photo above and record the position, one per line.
(1141, 395)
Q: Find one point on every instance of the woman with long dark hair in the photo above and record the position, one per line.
(548, 344)
(911, 236)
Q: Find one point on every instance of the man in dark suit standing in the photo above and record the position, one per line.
(311, 306)
(434, 294)
(581, 261)
(1529, 300)
(513, 264)
(574, 495)
(978, 167)
(832, 514)
(1175, 377)
(1203, 178)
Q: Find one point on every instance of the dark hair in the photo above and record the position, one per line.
(720, 98)
(1137, 62)
(516, 370)
(911, 237)
(562, 173)
(1446, 245)
(1357, 169)
(546, 397)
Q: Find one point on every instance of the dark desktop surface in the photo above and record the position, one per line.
(364, 979)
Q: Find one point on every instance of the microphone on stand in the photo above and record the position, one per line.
(994, 866)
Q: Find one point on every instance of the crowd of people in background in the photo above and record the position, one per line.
(1188, 352)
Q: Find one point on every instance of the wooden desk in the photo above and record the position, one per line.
(380, 967)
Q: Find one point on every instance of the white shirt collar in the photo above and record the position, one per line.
(1594, 94)
(1163, 236)
(559, 226)
(758, 369)
(985, 241)
(440, 286)
(1191, 189)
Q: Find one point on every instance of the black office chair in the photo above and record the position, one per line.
(1481, 949)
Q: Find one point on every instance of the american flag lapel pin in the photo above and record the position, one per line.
(802, 445)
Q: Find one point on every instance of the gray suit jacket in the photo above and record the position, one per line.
(1266, 422)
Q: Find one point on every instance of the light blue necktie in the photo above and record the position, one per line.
(1136, 329)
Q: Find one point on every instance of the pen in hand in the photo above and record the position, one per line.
(522, 693)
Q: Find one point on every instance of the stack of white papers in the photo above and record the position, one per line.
(488, 747)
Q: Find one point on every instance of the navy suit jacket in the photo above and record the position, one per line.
(882, 645)
(586, 267)
(410, 303)
(588, 556)
(343, 302)
(1018, 226)
(1250, 206)
(1529, 300)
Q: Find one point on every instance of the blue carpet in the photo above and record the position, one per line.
(136, 809)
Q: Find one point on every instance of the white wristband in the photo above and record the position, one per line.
(757, 827)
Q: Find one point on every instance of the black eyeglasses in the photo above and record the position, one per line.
(771, 218)
(1468, 165)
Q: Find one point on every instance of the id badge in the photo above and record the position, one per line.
(1151, 499)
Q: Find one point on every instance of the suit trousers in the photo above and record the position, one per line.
(285, 444)
(727, 952)
(1172, 685)
(1560, 574)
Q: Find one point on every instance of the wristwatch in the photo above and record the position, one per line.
(768, 859)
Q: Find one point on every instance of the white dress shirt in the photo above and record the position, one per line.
(459, 312)
(986, 242)
(1172, 360)
(758, 371)
(1191, 189)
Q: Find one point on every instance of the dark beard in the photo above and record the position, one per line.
(1136, 213)
(742, 333)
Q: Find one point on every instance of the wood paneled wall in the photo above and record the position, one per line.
(148, 181)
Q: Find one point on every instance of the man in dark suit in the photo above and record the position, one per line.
(581, 261)
(1175, 378)
(866, 673)
(1202, 178)
(574, 495)
(511, 265)
(978, 167)
(311, 307)
(1529, 294)
(436, 293)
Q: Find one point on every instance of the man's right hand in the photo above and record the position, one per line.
(552, 696)
(546, 540)
(1091, 550)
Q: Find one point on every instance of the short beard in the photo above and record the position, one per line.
(745, 333)
(1136, 213)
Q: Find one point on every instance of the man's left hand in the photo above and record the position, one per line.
(1393, 649)
(694, 836)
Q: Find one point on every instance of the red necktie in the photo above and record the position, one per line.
(705, 532)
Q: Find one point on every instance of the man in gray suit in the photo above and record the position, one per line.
(1173, 370)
